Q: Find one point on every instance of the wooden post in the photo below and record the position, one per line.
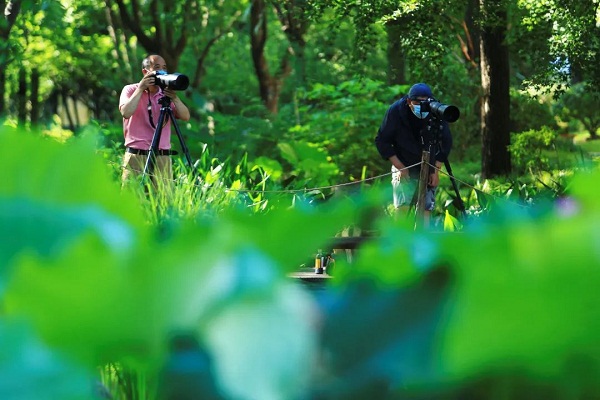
(423, 179)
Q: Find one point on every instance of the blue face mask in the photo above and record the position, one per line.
(416, 109)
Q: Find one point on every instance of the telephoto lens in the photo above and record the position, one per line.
(442, 111)
(173, 81)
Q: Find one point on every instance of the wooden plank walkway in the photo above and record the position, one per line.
(307, 273)
(310, 276)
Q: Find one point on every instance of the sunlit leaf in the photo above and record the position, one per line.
(451, 223)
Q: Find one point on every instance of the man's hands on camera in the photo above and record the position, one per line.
(170, 93)
(181, 111)
(148, 80)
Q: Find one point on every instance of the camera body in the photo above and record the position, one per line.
(173, 81)
(445, 112)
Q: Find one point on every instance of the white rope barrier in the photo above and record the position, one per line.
(322, 188)
(306, 190)
(473, 187)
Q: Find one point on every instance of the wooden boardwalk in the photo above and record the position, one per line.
(307, 273)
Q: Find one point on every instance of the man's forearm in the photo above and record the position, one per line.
(181, 110)
(396, 162)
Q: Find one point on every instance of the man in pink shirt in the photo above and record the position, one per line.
(140, 107)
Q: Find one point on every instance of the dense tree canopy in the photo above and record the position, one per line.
(252, 61)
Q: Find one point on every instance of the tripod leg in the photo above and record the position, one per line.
(151, 160)
(185, 149)
(455, 186)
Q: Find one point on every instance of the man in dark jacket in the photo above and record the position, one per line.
(402, 137)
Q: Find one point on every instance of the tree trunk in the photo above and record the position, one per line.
(472, 33)
(2, 91)
(200, 71)
(51, 105)
(269, 86)
(11, 11)
(202, 50)
(495, 75)
(293, 16)
(34, 97)
(76, 118)
(395, 55)
(65, 101)
(22, 98)
(169, 39)
(120, 44)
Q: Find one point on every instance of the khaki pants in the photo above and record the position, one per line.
(134, 164)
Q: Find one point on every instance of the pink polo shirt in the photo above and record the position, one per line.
(137, 129)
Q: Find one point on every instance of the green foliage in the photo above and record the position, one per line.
(89, 281)
(331, 54)
(528, 149)
(528, 41)
(451, 223)
(566, 49)
(47, 373)
(483, 326)
(328, 142)
(154, 288)
(481, 198)
(498, 304)
(581, 104)
(330, 119)
(528, 112)
(233, 135)
(209, 188)
(64, 43)
(588, 146)
(311, 166)
(96, 284)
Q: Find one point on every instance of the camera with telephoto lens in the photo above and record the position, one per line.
(172, 81)
(445, 112)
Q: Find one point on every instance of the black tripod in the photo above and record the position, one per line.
(434, 133)
(165, 112)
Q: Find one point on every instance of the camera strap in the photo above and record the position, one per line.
(150, 117)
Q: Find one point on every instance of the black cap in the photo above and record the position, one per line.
(419, 90)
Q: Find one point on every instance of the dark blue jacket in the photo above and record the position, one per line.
(403, 134)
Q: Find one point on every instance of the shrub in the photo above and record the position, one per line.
(528, 149)
(527, 112)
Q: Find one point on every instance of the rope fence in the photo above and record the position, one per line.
(473, 187)
(328, 187)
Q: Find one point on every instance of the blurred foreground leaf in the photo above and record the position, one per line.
(30, 370)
